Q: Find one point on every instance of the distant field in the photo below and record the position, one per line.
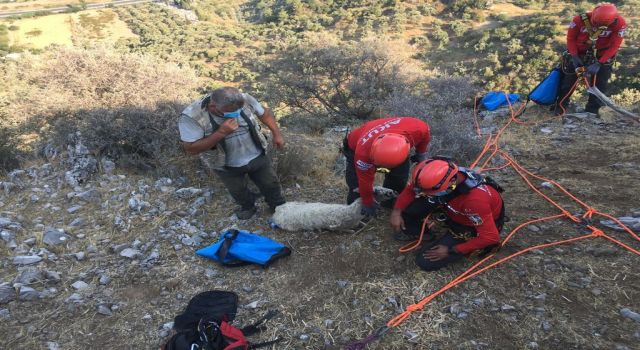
(58, 29)
(40, 4)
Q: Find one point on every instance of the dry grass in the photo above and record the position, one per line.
(62, 29)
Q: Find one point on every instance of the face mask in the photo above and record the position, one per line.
(234, 114)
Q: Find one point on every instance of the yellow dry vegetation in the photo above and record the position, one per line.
(60, 29)
(41, 4)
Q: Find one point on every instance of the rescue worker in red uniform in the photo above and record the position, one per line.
(593, 39)
(469, 204)
(382, 145)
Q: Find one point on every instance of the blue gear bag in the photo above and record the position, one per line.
(240, 247)
(494, 99)
(546, 92)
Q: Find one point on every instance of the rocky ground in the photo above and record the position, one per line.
(94, 256)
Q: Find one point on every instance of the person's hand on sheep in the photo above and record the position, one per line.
(369, 211)
(397, 222)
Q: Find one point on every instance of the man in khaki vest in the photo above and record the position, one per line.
(222, 127)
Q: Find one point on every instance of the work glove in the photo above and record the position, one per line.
(419, 157)
(369, 211)
(577, 62)
(593, 69)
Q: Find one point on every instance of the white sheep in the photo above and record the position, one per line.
(303, 216)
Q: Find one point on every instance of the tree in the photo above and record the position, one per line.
(347, 80)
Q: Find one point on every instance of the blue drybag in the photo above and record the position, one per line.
(547, 91)
(239, 248)
(495, 99)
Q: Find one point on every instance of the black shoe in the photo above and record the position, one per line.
(246, 214)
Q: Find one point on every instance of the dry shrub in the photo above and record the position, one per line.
(293, 162)
(136, 137)
(9, 156)
(123, 105)
(446, 104)
(323, 79)
(71, 79)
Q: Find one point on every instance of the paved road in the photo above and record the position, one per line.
(66, 8)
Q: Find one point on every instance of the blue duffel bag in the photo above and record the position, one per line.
(240, 247)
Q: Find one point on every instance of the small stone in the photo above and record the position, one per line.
(537, 252)
(546, 130)
(79, 256)
(596, 291)
(210, 273)
(91, 195)
(411, 336)
(626, 312)
(532, 345)
(52, 346)
(5, 314)
(252, 305)
(177, 247)
(546, 184)
(30, 241)
(130, 253)
(533, 228)
(304, 337)
(79, 285)
(400, 258)
(7, 236)
(74, 209)
(28, 276)
(328, 323)
(74, 298)
(167, 326)
(104, 280)
(77, 222)
(247, 289)
(55, 237)
(53, 276)
(104, 310)
(188, 192)
(507, 308)
(28, 294)
(7, 293)
(119, 248)
(541, 297)
(550, 284)
(26, 259)
(462, 315)
(546, 326)
(146, 317)
(342, 284)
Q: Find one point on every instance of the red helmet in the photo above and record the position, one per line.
(434, 175)
(604, 14)
(390, 150)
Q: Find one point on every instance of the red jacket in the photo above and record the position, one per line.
(479, 208)
(360, 140)
(607, 44)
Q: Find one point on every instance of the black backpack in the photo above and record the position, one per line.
(205, 324)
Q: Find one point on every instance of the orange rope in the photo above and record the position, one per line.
(415, 244)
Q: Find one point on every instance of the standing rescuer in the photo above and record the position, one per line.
(472, 207)
(382, 145)
(593, 40)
